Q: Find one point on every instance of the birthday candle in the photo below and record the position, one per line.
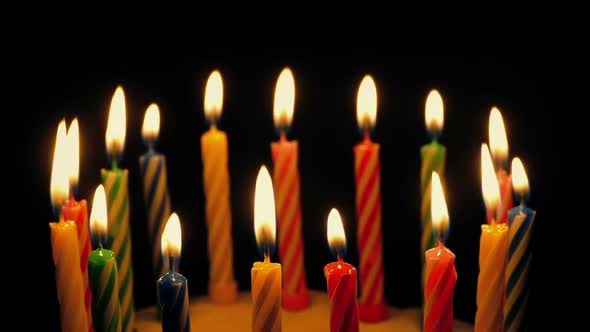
(499, 151)
(520, 220)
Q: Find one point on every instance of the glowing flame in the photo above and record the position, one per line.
(520, 181)
(115, 137)
(438, 205)
(284, 102)
(489, 182)
(434, 111)
(73, 139)
(214, 96)
(336, 235)
(264, 208)
(98, 215)
(151, 123)
(172, 237)
(497, 132)
(366, 103)
(59, 186)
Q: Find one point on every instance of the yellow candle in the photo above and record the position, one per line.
(64, 244)
(492, 256)
(222, 284)
(266, 276)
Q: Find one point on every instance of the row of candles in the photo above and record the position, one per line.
(105, 277)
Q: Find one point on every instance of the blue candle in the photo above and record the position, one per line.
(172, 286)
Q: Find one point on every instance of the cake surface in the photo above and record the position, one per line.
(237, 317)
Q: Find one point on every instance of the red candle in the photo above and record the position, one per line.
(78, 212)
(341, 279)
(440, 268)
(367, 169)
(286, 180)
(499, 151)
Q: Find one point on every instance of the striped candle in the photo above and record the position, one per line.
(119, 239)
(102, 268)
(441, 277)
(499, 152)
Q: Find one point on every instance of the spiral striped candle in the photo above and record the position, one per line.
(342, 281)
(266, 296)
(77, 211)
(490, 283)
(102, 268)
(505, 183)
(367, 171)
(222, 284)
(286, 181)
(441, 277)
(68, 276)
(157, 204)
(119, 239)
(173, 297)
(517, 268)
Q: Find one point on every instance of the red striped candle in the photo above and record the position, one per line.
(367, 170)
(499, 151)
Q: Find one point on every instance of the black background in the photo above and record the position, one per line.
(522, 79)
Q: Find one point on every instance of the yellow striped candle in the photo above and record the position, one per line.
(222, 284)
(64, 244)
(493, 249)
(115, 182)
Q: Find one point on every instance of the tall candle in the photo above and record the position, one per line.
(64, 245)
(102, 268)
(367, 170)
(77, 211)
(155, 189)
(341, 280)
(499, 151)
(433, 156)
(520, 220)
(222, 284)
(172, 286)
(115, 182)
(266, 276)
(441, 275)
(286, 181)
(493, 247)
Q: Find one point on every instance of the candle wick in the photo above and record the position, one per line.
(267, 255)
(171, 262)
(283, 135)
(114, 165)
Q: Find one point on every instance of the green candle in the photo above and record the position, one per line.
(102, 271)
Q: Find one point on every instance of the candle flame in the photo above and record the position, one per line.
(264, 209)
(172, 237)
(497, 133)
(151, 123)
(214, 96)
(59, 186)
(73, 139)
(336, 235)
(438, 205)
(366, 103)
(284, 102)
(434, 111)
(520, 180)
(489, 182)
(99, 215)
(115, 136)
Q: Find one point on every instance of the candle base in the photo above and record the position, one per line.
(373, 313)
(296, 302)
(223, 292)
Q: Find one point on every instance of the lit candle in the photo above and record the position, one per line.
(222, 284)
(367, 170)
(266, 276)
(440, 268)
(64, 244)
(286, 181)
(77, 211)
(499, 150)
(341, 280)
(173, 287)
(102, 268)
(433, 157)
(155, 189)
(115, 182)
(520, 220)
(493, 246)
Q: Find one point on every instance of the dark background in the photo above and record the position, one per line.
(522, 79)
